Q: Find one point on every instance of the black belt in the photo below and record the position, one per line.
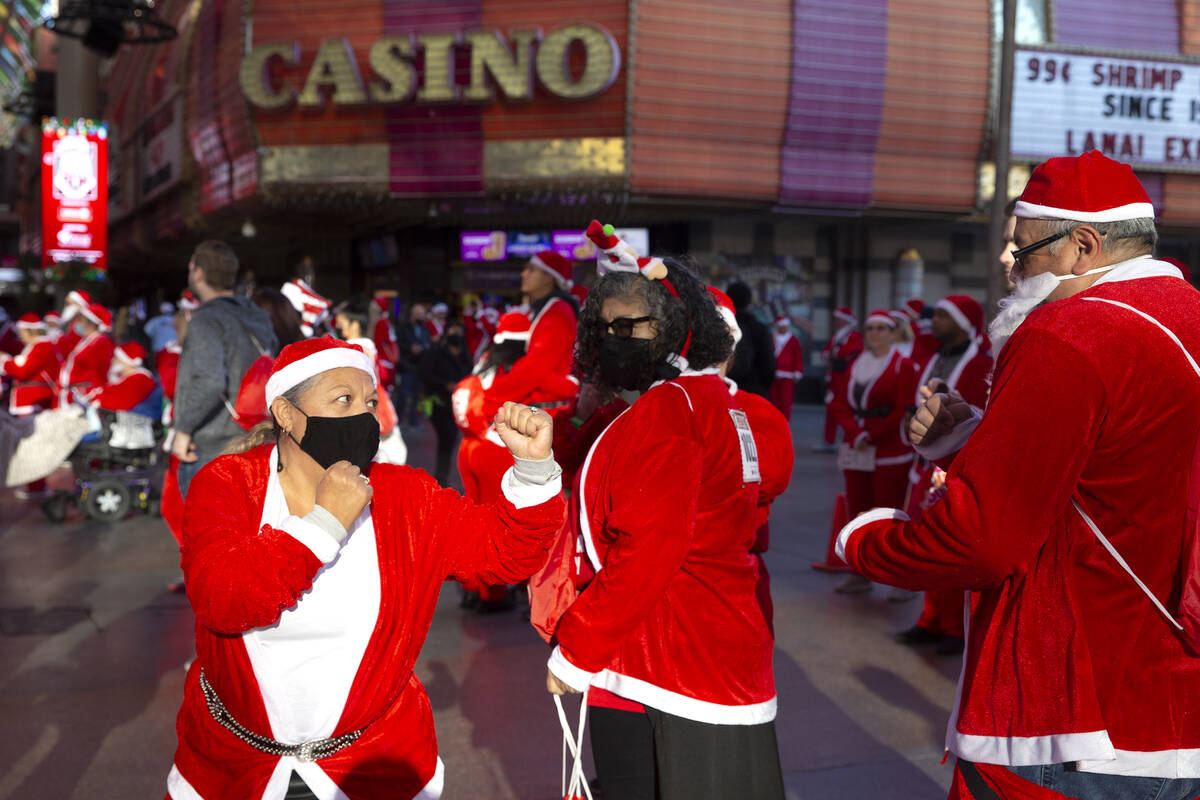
(871, 413)
(308, 751)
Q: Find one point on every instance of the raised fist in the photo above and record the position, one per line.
(526, 432)
(938, 416)
(344, 492)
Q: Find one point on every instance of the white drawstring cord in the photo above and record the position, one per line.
(574, 743)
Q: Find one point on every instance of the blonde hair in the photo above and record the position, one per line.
(268, 431)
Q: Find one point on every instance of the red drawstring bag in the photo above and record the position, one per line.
(250, 406)
(555, 586)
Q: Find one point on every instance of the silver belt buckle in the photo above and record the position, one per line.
(306, 751)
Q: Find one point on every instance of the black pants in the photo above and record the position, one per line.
(447, 437)
(659, 756)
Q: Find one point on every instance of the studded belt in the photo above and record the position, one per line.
(306, 751)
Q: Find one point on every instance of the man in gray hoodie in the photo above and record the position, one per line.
(217, 350)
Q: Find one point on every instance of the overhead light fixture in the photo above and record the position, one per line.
(248, 230)
(105, 25)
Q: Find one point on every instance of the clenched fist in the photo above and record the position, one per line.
(937, 416)
(526, 432)
(344, 492)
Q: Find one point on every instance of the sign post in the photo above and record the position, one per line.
(75, 193)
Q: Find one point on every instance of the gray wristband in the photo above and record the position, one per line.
(326, 521)
(536, 472)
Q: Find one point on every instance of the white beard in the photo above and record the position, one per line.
(1029, 294)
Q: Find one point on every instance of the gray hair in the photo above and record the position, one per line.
(1135, 235)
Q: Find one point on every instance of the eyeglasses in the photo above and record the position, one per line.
(1017, 255)
(622, 327)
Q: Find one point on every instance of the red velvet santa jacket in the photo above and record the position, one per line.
(1092, 406)
(34, 376)
(126, 393)
(85, 368)
(776, 455)
(881, 411)
(241, 578)
(671, 619)
(540, 375)
(789, 359)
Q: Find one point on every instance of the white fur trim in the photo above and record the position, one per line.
(565, 283)
(87, 312)
(578, 679)
(322, 545)
(844, 317)
(960, 319)
(30, 326)
(1173, 764)
(885, 319)
(682, 705)
(133, 362)
(321, 361)
(1145, 266)
(526, 495)
(511, 336)
(891, 461)
(178, 787)
(1025, 751)
(731, 321)
(861, 521)
(1024, 210)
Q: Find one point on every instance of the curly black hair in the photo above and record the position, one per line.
(694, 310)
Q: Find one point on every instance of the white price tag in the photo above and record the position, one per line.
(750, 471)
(860, 459)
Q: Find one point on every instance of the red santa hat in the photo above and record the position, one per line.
(1087, 188)
(29, 322)
(384, 304)
(900, 316)
(556, 266)
(513, 327)
(782, 318)
(99, 315)
(966, 312)
(614, 255)
(580, 293)
(52, 318)
(308, 357)
(131, 353)
(727, 312)
(188, 301)
(880, 316)
(913, 308)
(845, 315)
(80, 297)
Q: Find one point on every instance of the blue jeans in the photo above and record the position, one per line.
(188, 470)
(1066, 780)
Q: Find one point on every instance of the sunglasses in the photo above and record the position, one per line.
(622, 327)
(1017, 255)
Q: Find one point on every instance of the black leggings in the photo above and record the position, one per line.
(447, 437)
(659, 756)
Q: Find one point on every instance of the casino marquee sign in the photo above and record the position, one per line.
(513, 64)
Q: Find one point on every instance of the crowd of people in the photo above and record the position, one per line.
(1035, 477)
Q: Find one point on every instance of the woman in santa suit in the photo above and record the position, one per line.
(668, 497)
(871, 407)
(313, 575)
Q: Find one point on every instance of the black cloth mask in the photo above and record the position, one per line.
(332, 439)
(628, 363)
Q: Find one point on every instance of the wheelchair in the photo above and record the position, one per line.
(117, 469)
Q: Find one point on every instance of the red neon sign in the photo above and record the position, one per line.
(74, 192)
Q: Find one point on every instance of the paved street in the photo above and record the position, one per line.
(93, 647)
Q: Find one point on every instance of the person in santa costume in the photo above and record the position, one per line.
(668, 497)
(10, 339)
(789, 365)
(129, 383)
(351, 320)
(312, 307)
(33, 373)
(839, 353)
(1067, 511)
(314, 574)
(924, 343)
(85, 367)
(538, 375)
(76, 301)
(387, 349)
(871, 406)
(435, 324)
(963, 365)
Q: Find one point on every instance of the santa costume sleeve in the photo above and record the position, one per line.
(651, 522)
(240, 576)
(39, 357)
(1005, 488)
(125, 394)
(505, 541)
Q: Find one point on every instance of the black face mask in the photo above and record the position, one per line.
(628, 363)
(332, 439)
(456, 340)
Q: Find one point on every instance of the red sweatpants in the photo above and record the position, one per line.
(783, 392)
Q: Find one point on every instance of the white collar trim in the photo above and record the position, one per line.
(1146, 266)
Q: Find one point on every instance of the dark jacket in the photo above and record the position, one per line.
(754, 357)
(407, 335)
(217, 351)
(439, 369)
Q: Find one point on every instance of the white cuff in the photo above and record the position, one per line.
(324, 519)
(312, 536)
(859, 439)
(953, 441)
(567, 672)
(524, 493)
(862, 520)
